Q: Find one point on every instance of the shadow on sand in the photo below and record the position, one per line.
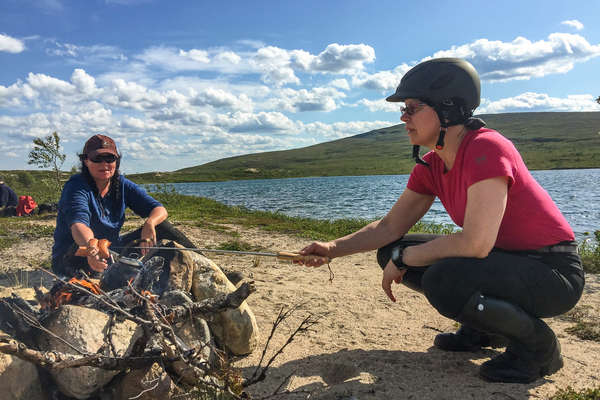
(382, 374)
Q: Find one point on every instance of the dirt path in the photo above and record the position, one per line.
(365, 347)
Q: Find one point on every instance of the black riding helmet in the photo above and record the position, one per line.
(450, 86)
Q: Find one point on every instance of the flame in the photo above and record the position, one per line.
(65, 294)
(149, 295)
(91, 286)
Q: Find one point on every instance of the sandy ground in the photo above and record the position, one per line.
(364, 346)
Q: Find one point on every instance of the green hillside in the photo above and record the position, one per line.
(550, 140)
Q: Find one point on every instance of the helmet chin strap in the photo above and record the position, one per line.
(444, 119)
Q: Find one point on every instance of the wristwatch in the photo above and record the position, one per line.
(397, 257)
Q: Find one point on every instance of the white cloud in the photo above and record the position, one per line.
(276, 66)
(218, 98)
(380, 105)
(383, 81)
(315, 99)
(340, 84)
(262, 122)
(12, 95)
(335, 58)
(10, 44)
(87, 55)
(228, 57)
(85, 83)
(524, 59)
(200, 56)
(573, 23)
(49, 86)
(531, 101)
(134, 96)
(344, 129)
(214, 59)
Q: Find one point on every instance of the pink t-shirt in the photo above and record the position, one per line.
(531, 219)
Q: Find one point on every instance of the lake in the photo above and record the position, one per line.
(575, 191)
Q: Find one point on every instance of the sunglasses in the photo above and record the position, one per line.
(107, 158)
(412, 109)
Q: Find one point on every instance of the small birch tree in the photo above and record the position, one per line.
(46, 154)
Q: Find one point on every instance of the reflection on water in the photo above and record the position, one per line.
(575, 191)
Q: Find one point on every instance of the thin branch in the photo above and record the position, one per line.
(303, 327)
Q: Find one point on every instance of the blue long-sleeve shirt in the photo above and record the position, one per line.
(7, 196)
(104, 216)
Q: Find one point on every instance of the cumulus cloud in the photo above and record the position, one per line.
(340, 84)
(49, 86)
(173, 59)
(315, 99)
(85, 83)
(383, 81)
(218, 98)
(274, 65)
(344, 129)
(13, 95)
(335, 58)
(132, 95)
(523, 59)
(573, 23)
(531, 101)
(10, 44)
(265, 122)
(379, 105)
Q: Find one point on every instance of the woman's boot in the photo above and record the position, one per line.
(533, 349)
(468, 339)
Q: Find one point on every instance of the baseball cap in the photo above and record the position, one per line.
(99, 144)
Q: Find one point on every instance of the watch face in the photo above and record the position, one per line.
(395, 253)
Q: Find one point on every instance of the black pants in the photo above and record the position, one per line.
(542, 284)
(68, 264)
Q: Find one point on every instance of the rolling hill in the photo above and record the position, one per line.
(549, 140)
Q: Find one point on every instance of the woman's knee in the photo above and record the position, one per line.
(444, 285)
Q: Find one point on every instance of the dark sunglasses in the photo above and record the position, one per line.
(107, 158)
(412, 109)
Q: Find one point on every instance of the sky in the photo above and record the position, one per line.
(181, 83)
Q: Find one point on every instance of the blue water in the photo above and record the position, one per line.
(575, 191)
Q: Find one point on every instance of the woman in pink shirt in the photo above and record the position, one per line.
(514, 261)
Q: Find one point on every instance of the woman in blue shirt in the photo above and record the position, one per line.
(92, 206)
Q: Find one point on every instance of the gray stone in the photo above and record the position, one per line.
(235, 329)
(85, 328)
(19, 379)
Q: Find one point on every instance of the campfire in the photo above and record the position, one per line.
(164, 321)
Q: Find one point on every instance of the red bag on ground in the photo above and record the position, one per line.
(26, 205)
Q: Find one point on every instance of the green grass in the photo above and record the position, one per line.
(571, 394)
(15, 229)
(586, 323)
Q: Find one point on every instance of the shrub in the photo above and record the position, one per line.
(589, 250)
(25, 178)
